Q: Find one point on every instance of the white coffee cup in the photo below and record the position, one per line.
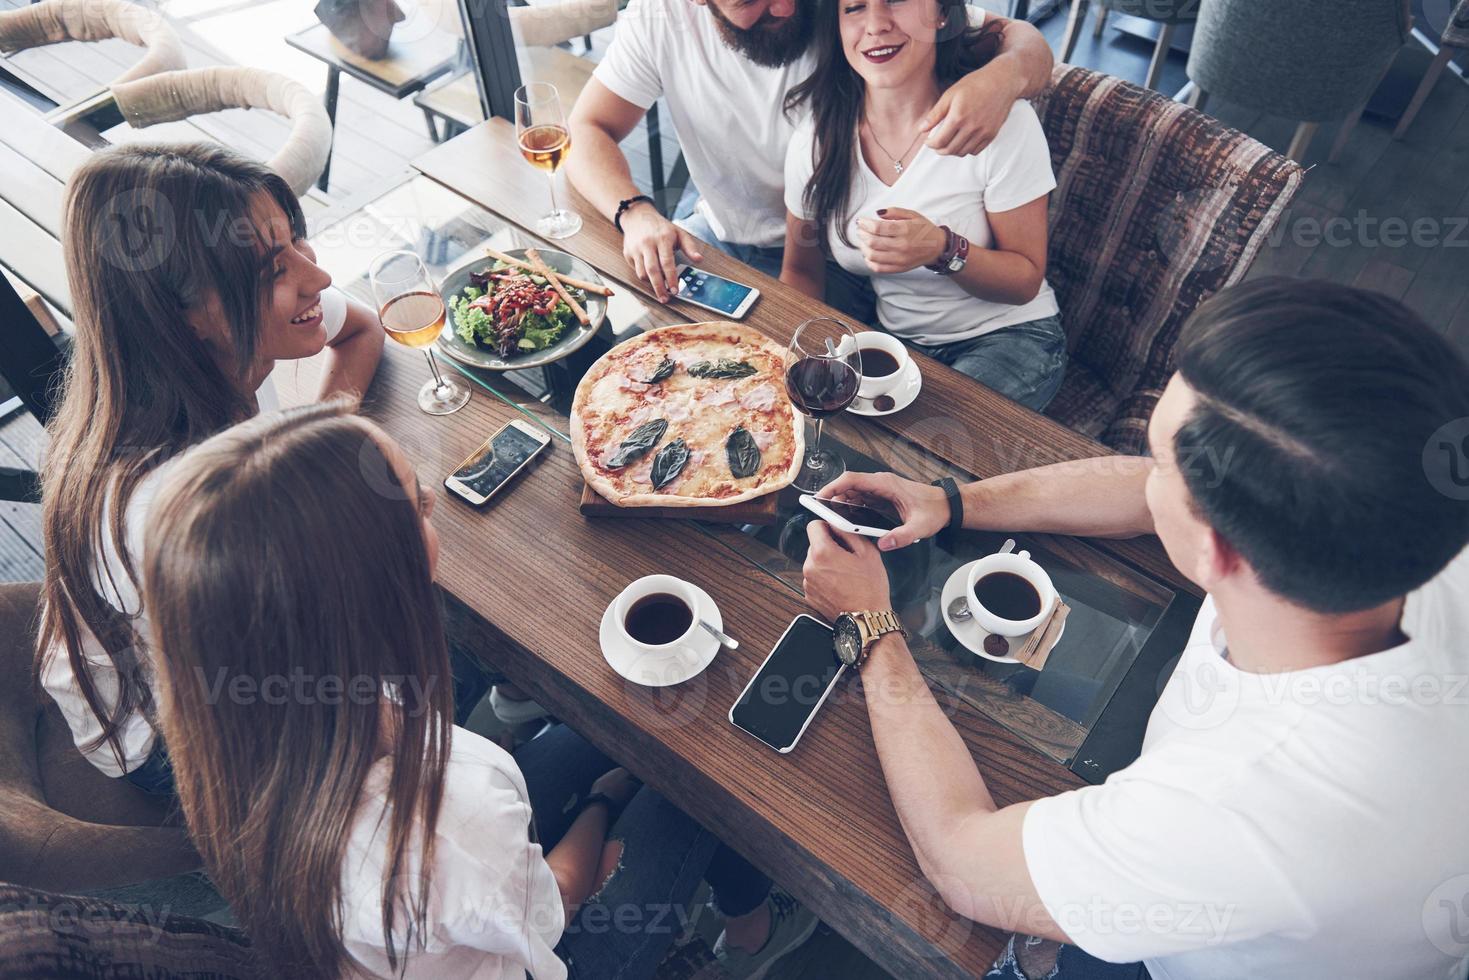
(1018, 563)
(887, 343)
(653, 585)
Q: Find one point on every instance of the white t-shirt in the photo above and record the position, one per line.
(115, 585)
(494, 909)
(918, 305)
(1307, 825)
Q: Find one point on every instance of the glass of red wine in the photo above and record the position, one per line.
(822, 375)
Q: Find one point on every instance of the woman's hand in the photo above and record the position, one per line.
(618, 785)
(898, 240)
(924, 509)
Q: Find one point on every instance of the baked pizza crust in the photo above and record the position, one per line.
(785, 413)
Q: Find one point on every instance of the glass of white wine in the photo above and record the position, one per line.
(412, 312)
(540, 125)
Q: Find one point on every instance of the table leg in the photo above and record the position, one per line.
(1021, 11)
(433, 127)
(333, 84)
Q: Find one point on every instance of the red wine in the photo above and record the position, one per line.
(821, 386)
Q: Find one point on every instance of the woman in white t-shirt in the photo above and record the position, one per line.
(956, 246)
(305, 696)
(191, 277)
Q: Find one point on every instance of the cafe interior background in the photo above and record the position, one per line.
(1382, 200)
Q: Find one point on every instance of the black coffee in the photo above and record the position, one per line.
(1008, 596)
(658, 618)
(877, 363)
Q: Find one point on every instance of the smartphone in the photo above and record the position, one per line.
(716, 293)
(498, 458)
(790, 686)
(852, 518)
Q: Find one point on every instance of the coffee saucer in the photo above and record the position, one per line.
(662, 669)
(910, 383)
(969, 632)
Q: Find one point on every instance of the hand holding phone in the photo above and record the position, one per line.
(725, 296)
(852, 518)
(791, 685)
(498, 458)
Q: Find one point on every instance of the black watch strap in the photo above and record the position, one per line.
(593, 799)
(622, 207)
(956, 501)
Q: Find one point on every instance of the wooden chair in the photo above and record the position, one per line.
(49, 935)
(64, 826)
(1455, 41)
(1157, 207)
(1303, 60)
(1168, 13)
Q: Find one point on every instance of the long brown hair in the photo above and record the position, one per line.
(150, 231)
(837, 95)
(279, 548)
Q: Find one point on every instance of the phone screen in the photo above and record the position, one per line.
(711, 290)
(506, 453)
(790, 685)
(863, 516)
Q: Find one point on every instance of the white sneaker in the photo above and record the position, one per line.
(791, 924)
(512, 712)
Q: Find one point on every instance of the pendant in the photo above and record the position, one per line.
(898, 165)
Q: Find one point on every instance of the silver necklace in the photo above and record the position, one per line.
(897, 161)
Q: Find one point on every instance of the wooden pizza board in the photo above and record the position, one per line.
(761, 510)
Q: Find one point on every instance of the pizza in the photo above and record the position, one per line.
(694, 415)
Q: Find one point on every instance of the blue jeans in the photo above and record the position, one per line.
(1071, 964)
(847, 291)
(633, 918)
(1025, 362)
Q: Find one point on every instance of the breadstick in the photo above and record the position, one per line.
(583, 285)
(544, 270)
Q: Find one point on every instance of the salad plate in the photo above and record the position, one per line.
(541, 339)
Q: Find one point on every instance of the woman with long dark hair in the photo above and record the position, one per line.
(956, 246)
(304, 694)
(191, 277)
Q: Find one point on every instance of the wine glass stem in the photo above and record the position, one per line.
(552, 176)
(814, 455)
(433, 366)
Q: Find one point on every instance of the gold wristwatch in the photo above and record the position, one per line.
(855, 632)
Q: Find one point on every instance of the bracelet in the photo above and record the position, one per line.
(956, 501)
(622, 207)
(592, 800)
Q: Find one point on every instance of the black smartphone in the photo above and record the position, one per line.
(790, 686)
(497, 459)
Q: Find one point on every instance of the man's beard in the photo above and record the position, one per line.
(769, 42)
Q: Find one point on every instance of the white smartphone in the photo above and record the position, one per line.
(498, 458)
(792, 684)
(716, 293)
(852, 518)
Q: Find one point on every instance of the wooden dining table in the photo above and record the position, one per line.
(526, 580)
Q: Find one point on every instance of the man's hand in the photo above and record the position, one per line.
(843, 572)
(898, 240)
(968, 116)
(649, 242)
(923, 509)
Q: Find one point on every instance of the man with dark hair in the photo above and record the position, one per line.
(1299, 806)
(724, 67)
